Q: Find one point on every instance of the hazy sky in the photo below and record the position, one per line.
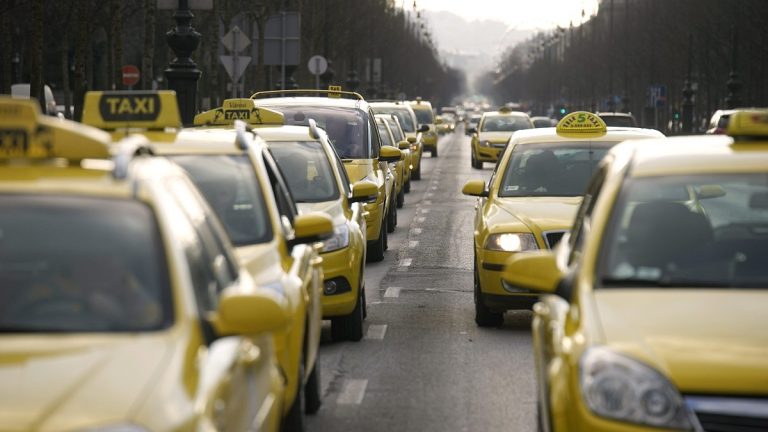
(520, 14)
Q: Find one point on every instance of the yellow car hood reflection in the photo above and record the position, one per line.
(358, 169)
(704, 340)
(76, 381)
(495, 137)
(331, 208)
(261, 260)
(543, 212)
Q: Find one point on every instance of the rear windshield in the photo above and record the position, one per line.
(229, 184)
(551, 169)
(403, 114)
(424, 116)
(621, 121)
(505, 124)
(346, 127)
(78, 264)
(306, 168)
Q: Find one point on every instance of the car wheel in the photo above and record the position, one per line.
(295, 419)
(476, 164)
(377, 247)
(434, 151)
(401, 197)
(365, 302)
(349, 327)
(407, 186)
(312, 396)
(483, 316)
(392, 216)
(416, 174)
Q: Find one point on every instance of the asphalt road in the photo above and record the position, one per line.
(424, 365)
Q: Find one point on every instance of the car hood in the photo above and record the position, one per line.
(542, 213)
(359, 169)
(705, 341)
(331, 208)
(78, 381)
(494, 137)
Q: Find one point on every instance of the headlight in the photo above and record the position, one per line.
(511, 242)
(485, 143)
(125, 427)
(339, 240)
(621, 388)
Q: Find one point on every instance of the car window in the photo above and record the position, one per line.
(504, 124)
(386, 138)
(81, 264)
(424, 116)
(620, 121)
(228, 183)
(689, 231)
(551, 169)
(307, 170)
(286, 205)
(582, 223)
(403, 114)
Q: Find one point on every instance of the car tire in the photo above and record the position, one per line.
(312, 396)
(434, 151)
(416, 174)
(295, 419)
(476, 164)
(349, 327)
(392, 216)
(407, 186)
(401, 197)
(483, 316)
(377, 247)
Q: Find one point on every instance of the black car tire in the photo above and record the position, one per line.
(377, 247)
(312, 396)
(483, 316)
(295, 419)
(349, 327)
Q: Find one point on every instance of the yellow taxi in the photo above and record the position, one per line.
(531, 199)
(398, 169)
(408, 122)
(123, 307)
(404, 145)
(241, 181)
(318, 182)
(653, 309)
(348, 120)
(427, 124)
(492, 133)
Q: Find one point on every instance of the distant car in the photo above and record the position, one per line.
(719, 121)
(21, 91)
(542, 122)
(473, 121)
(618, 119)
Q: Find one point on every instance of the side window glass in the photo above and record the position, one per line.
(373, 132)
(285, 203)
(581, 224)
(346, 186)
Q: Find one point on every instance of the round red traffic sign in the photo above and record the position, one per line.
(131, 75)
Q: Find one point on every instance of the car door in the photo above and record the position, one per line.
(236, 373)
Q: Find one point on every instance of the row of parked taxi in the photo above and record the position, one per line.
(645, 260)
(161, 278)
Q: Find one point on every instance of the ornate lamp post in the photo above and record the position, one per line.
(734, 84)
(182, 74)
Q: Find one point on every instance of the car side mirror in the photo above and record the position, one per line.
(535, 272)
(472, 130)
(475, 188)
(390, 154)
(423, 128)
(248, 313)
(404, 145)
(364, 191)
(312, 227)
(411, 139)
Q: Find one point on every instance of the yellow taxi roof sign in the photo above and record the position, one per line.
(113, 110)
(332, 91)
(748, 124)
(239, 109)
(581, 124)
(25, 133)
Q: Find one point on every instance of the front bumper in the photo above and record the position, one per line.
(492, 292)
(488, 154)
(343, 269)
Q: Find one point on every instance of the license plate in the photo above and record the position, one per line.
(13, 142)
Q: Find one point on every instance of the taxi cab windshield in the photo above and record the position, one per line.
(423, 116)
(550, 169)
(689, 231)
(229, 185)
(307, 170)
(505, 124)
(80, 265)
(406, 121)
(346, 127)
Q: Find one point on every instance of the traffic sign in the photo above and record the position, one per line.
(235, 40)
(234, 68)
(657, 96)
(131, 75)
(317, 65)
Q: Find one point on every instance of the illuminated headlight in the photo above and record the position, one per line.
(124, 427)
(339, 240)
(508, 242)
(621, 388)
(485, 143)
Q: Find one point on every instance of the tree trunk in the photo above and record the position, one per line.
(36, 81)
(214, 90)
(65, 73)
(147, 63)
(82, 46)
(7, 52)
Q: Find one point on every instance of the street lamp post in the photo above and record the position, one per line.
(182, 74)
(688, 93)
(734, 84)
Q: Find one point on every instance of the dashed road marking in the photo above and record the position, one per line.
(427, 202)
(416, 231)
(352, 392)
(392, 292)
(433, 187)
(405, 262)
(376, 332)
(413, 243)
(420, 219)
(424, 211)
(430, 195)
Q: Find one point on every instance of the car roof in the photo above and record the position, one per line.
(505, 113)
(613, 114)
(312, 101)
(614, 133)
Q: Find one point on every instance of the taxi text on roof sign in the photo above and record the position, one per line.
(748, 124)
(332, 89)
(131, 109)
(581, 124)
(25, 133)
(239, 109)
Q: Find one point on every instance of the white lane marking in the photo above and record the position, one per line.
(376, 332)
(413, 243)
(352, 392)
(427, 202)
(416, 231)
(406, 262)
(420, 219)
(430, 195)
(424, 211)
(433, 188)
(392, 292)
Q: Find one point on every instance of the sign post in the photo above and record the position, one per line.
(235, 65)
(317, 66)
(131, 76)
